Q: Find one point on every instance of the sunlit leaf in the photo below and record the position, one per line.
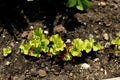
(25, 48)
(58, 44)
(97, 47)
(71, 3)
(6, 51)
(116, 41)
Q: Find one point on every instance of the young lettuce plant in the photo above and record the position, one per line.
(36, 45)
(97, 47)
(57, 44)
(77, 47)
(79, 4)
(88, 44)
(6, 51)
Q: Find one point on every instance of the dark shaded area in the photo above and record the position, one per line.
(11, 17)
(45, 10)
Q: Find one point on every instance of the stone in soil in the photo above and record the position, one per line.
(106, 36)
(42, 73)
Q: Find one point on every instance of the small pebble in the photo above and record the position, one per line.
(31, 27)
(3, 36)
(44, 26)
(16, 42)
(118, 34)
(101, 69)
(71, 74)
(68, 41)
(118, 47)
(7, 63)
(105, 36)
(42, 73)
(91, 35)
(85, 66)
(12, 44)
(46, 32)
(102, 3)
(107, 45)
(105, 72)
(96, 59)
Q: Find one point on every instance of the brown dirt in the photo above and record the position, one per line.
(101, 18)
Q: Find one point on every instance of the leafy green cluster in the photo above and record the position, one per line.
(6, 51)
(55, 46)
(78, 46)
(116, 41)
(58, 44)
(79, 4)
(36, 45)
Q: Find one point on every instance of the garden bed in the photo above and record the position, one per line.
(101, 21)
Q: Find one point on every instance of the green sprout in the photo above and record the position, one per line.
(6, 51)
(79, 4)
(55, 46)
(58, 44)
(77, 47)
(97, 47)
(88, 44)
(36, 45)
(116, 41)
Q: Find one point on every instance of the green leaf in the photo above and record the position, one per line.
(71, 3)
(38, 34)
(82, 4)
(77, 47)
(25, 48)
(78, 44)
(34, 42)
(44, 45)
(58, 44)
(35, 52)
(76, 52)
(67, 57)
(97, 47)
(88, 45)
(86, 4)
(79, 6)
(6, 51)
(116, 41)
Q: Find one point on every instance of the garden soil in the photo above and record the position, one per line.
(101, 21)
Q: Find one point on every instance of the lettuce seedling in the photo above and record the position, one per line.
(79, 4)
(88, 45)
(58, 44)
(6, 51)
(77, 47)
(116, 41)
(25, 48)
(97, 47)
(36, 45)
